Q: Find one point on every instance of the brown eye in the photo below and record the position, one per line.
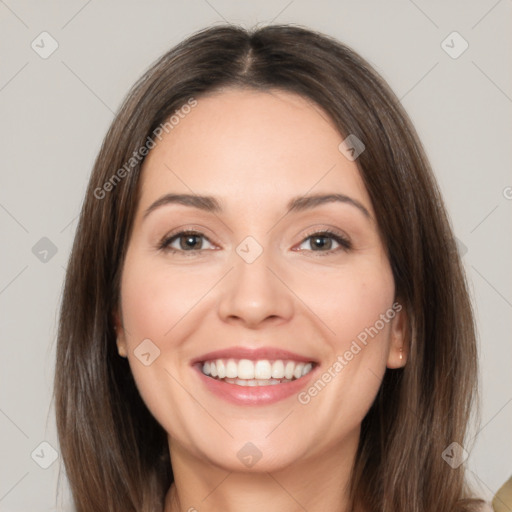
(185, 241)
(323, 241)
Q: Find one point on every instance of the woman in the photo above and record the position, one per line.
(264, 306)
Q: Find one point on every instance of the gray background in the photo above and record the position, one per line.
(55, 112)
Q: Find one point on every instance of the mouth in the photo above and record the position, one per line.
(255, 373)
(247, 376)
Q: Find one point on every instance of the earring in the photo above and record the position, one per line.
(401, 354)
(121, 351)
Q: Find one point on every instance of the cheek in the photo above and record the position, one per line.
(358, 309)
(157, 303)
(155, 298)
(351, 300)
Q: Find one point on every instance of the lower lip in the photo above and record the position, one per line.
(254, 395)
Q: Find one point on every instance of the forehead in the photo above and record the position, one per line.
(251, 146)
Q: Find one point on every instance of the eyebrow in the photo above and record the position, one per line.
(296, 204)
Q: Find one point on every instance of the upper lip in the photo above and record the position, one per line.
(253, 354)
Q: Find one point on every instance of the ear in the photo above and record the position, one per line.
(120, 335)
(399, 345)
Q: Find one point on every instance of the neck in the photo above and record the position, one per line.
(314, 484)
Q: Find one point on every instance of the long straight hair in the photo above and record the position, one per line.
(115, 453)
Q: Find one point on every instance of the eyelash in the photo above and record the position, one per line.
(345, 244)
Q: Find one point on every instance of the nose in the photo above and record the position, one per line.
(256, 293)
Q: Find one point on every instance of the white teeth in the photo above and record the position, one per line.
(254, 382)
(288, 371)
(221, 368)
(231, 369)
(298, 370)
(307, 368)
(245, 369)
(263, 372)
(278, 369)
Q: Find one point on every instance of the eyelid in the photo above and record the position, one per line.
(163, 243)
(339, 236)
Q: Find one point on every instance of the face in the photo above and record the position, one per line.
(277, 285)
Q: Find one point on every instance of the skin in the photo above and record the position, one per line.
(254, 151)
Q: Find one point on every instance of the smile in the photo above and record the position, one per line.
(263, 372)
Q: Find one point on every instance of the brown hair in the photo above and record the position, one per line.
(115, 452)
